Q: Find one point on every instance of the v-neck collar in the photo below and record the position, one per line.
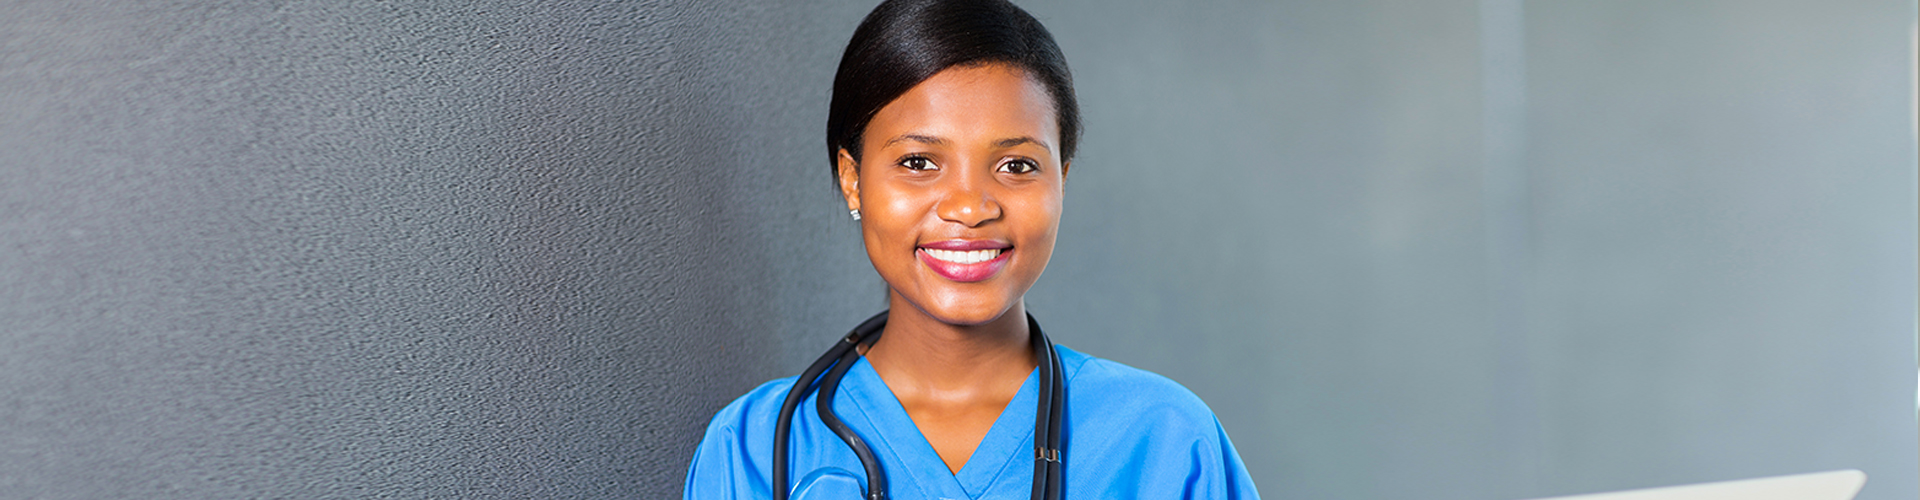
(1011, 433)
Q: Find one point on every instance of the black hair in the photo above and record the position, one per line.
(904, 42)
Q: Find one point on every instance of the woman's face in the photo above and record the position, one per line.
(959, 186)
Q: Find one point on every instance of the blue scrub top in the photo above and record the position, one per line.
(1128, 434)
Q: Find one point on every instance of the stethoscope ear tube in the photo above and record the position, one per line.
(1047, 416)
(1055, 436)
(1042, 413)
(876, 478)
(798, 392)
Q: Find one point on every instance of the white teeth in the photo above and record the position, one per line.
(963, 256)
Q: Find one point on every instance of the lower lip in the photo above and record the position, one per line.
(965, 273)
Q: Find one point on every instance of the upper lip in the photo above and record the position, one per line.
(962, 245)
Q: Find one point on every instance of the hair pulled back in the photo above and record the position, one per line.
(905, 42)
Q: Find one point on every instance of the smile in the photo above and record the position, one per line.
(964, 261)
(962, 256)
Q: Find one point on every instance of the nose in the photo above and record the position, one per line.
(968, 201)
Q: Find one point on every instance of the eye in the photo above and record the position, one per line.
(918, 163)
(1019, 167)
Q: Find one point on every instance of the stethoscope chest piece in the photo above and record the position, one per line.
(829, 483)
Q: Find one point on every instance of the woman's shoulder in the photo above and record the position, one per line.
(1137, 434)
(1102, 386)
(758, 406)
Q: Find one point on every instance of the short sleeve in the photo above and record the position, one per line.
(712, 476)
(722, 468)
(1229, 474)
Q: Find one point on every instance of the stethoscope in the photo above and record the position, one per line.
(1046, 421)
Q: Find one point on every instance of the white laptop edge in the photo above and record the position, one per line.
(1830, 485)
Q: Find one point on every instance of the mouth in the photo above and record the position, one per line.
(964, 261)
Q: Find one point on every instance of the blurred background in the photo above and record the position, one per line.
(1488, 249)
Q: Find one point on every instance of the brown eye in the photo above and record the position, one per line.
(917, 163)
(1019, 167)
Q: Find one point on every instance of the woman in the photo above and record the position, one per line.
(950, 133)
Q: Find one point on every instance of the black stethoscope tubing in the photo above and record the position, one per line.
(837, 360)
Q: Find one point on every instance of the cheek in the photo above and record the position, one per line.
(876, 195)
(901, 208)
(1040, 221)
(1045, 206)
(889, 219)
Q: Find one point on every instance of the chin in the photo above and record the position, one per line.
(966, 309)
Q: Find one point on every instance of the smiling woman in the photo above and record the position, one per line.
(951, 133)
(961, 191)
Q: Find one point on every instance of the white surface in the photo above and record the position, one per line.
(1833, 485)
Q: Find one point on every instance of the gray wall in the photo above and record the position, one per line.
(1499, 249)
(1451, 249)
(426, 249)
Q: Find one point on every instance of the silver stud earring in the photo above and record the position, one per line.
(855, 213)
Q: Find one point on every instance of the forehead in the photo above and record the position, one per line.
(970, 104)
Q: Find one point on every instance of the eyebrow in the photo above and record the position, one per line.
(1016, 141)
(939, 141)
(923, 139)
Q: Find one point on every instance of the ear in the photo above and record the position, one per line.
(1065, 166)
(849, 179)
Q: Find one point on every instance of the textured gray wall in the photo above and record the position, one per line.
(1406, 249)
(419, 249)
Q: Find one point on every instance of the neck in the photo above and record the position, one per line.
(920, 356)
